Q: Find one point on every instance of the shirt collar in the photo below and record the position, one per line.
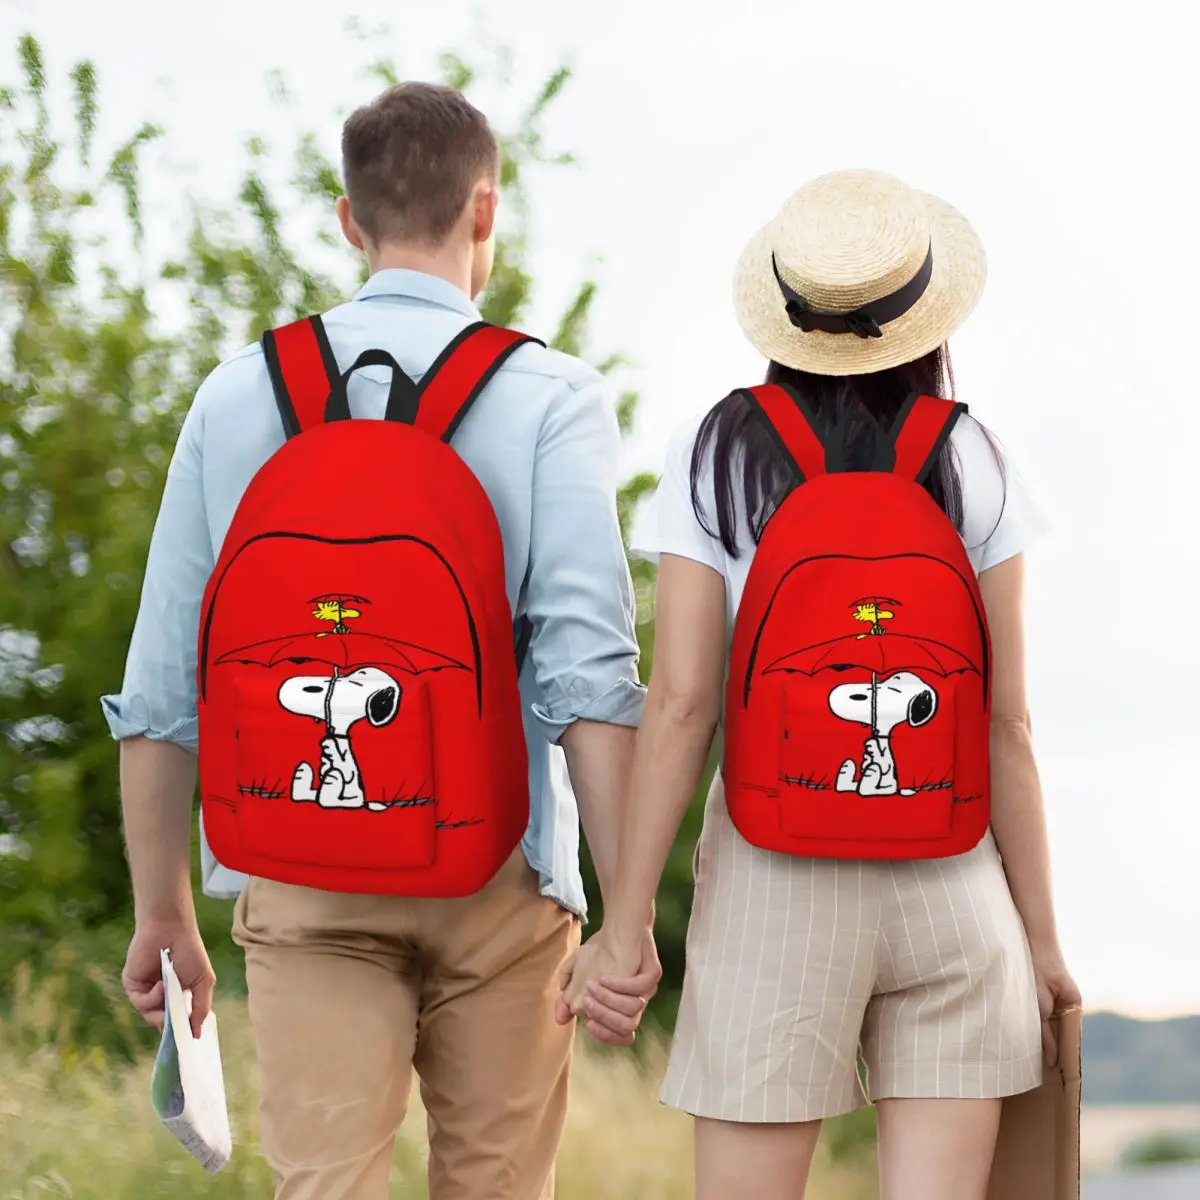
(416, 285)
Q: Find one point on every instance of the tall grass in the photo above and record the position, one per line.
(76, 1123)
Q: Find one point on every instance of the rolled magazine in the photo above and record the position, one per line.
(187, 1087)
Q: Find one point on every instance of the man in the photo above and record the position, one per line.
(348, 993)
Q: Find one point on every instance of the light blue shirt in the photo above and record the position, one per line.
(542, 439)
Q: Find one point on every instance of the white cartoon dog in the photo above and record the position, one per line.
(901, 699)
(369, 695)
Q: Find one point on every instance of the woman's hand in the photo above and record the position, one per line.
(609, 987)
(1056, 992)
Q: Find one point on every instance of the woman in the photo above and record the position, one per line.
(934, 969)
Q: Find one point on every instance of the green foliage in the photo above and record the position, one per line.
(1162, 1149)
(93, 386)
(848, 1138)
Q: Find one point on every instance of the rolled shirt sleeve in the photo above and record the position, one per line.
(579, 595)
(158, 695)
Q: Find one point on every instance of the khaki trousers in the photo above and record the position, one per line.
(349, 993)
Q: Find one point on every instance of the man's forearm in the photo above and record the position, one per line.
(158, 781)
(598, 760)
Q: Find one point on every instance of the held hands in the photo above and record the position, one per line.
(142, 977)
(609, 988)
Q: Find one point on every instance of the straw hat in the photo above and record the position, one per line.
(857, 273)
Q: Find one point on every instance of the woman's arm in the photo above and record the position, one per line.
(683, 706)
(1018, 813)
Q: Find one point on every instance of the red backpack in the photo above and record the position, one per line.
(858, 700)
(360, 720)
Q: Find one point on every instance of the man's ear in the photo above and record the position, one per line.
(487, 199)
(350, 229)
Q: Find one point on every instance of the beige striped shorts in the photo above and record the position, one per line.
(797, 966)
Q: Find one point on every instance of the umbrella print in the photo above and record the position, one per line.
(341, 648)
(344, 652)
(879, 651)
(882, 655)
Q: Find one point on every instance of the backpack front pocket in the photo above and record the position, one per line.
(336, 770)
(867, 760)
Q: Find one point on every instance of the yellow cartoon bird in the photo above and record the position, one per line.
(336, 607)
(869, 610)
(331, 610)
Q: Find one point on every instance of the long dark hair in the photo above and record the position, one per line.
(857, 409)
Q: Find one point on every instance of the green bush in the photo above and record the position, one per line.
(93, 386)
(1161, 1149)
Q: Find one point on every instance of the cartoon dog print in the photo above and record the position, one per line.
(368, 694)
(901, 699)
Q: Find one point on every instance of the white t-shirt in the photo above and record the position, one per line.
(1000, 518)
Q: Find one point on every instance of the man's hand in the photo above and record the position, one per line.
(610, 989)
(157, 782)
(142, 977)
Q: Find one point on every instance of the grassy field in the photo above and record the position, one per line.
(73, 1124)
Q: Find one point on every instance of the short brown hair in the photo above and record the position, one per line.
(410, 159)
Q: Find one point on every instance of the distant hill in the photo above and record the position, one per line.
(1140, 1062)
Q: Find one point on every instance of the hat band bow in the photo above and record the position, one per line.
(864, 322)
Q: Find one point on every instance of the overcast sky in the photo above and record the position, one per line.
(1065, 135)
